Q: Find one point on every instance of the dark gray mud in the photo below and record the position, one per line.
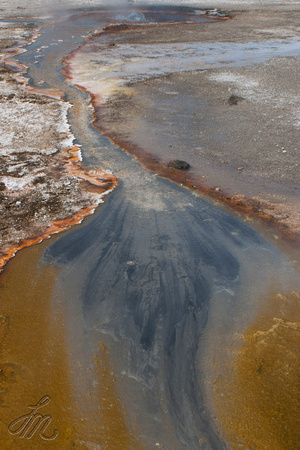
(144, 274)
(147, 266)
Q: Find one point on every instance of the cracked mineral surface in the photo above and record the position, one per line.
(43, 188)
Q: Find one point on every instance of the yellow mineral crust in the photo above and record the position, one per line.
(258, 402)
(35, 362)
(115, 433)
(33, 353)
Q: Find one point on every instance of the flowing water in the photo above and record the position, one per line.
(149, 295)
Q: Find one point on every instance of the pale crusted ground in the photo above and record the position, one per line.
(37, 186)
(45, 8)
(41, 181)
(247, 148)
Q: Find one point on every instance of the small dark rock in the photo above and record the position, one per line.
(2, 186)
(234, 99)
(39, 180)
(178, 164)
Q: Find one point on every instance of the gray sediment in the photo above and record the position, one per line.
(143, 274)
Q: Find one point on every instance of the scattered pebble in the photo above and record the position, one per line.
(178, 164)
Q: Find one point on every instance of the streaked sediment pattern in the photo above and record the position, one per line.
(153, 323)
(157, 267)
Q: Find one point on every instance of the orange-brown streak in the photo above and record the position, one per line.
(257, 400)
(115, 432)
(102, 181)
(34, 356)
(249, 207)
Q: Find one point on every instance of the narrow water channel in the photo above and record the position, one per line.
(151, 292)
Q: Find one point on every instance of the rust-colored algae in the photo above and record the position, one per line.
(56, 227)
(66, 164)
(257, 404)
(34, 362)
(112, 422)
(33, 354)
(251, 207)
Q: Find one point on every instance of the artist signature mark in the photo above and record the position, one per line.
(29, 424)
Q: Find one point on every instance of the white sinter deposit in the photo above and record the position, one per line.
(43, 188)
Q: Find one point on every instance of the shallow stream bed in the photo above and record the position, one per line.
(144, 305)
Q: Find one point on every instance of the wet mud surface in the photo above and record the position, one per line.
(150, 305)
